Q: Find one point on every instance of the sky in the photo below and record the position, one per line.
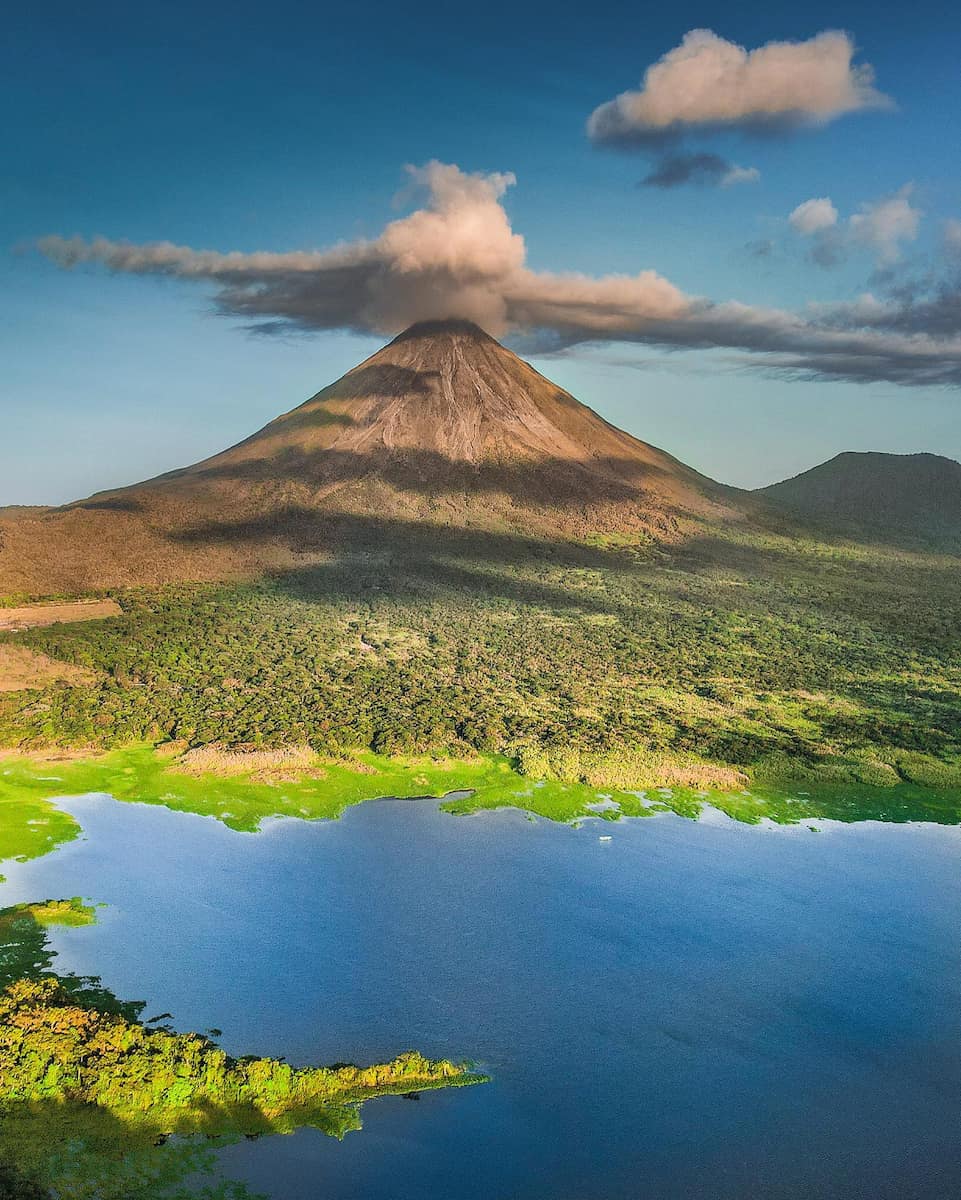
(733, 231)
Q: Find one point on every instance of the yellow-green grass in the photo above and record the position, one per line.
(555, 787)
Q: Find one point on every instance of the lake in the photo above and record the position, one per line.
(688, 1010)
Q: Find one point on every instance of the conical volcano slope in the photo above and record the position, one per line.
(445, 412)
(443, 427)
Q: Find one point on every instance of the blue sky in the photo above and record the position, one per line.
(245, 127)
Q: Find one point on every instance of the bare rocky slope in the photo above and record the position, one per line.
(443, 428)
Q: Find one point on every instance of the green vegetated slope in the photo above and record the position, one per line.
(917, 496)
(89, 1094)
(548, 675)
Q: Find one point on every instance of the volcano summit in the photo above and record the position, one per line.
(444, 426)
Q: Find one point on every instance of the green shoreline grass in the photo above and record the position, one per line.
(31, 823)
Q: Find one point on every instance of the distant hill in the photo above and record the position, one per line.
(443, 427)
(895, 496)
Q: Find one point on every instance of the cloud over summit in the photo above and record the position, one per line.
(455, 256)
(458, 256)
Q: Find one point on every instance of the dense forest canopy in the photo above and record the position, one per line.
(738, 648)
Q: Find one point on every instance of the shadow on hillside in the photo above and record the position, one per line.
(378, 379)
(122, 504)
(927, 533)
(550, 482)
(908, 595)
(361, 556)
(742, 571)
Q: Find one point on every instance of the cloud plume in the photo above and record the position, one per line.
(709, 84)
(455, 256)
(458, 256)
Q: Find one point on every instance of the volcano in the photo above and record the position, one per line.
(442, 429)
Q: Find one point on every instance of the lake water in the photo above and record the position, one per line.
(690, 1010)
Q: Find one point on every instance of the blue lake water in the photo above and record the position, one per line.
(697, 1010)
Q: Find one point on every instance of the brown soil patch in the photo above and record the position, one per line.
(30, 616)
(22, 668)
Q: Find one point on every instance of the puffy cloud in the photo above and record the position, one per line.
(708, 83)
(813, 216)
(457, 255)
(880, 227)
(440, 257)
(673, 170)
(883, 226)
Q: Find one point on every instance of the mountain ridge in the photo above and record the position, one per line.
(914, 495)
(443, 434)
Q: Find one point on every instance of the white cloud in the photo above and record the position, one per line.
(884, 225)
(813, 215)
(736, 174)
(952, 236)
(709, 83)
(457, 256)
(881, 227)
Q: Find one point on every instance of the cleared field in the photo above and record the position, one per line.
(22, 669)
(32, 616)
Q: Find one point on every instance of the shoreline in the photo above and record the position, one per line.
(250, 788)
